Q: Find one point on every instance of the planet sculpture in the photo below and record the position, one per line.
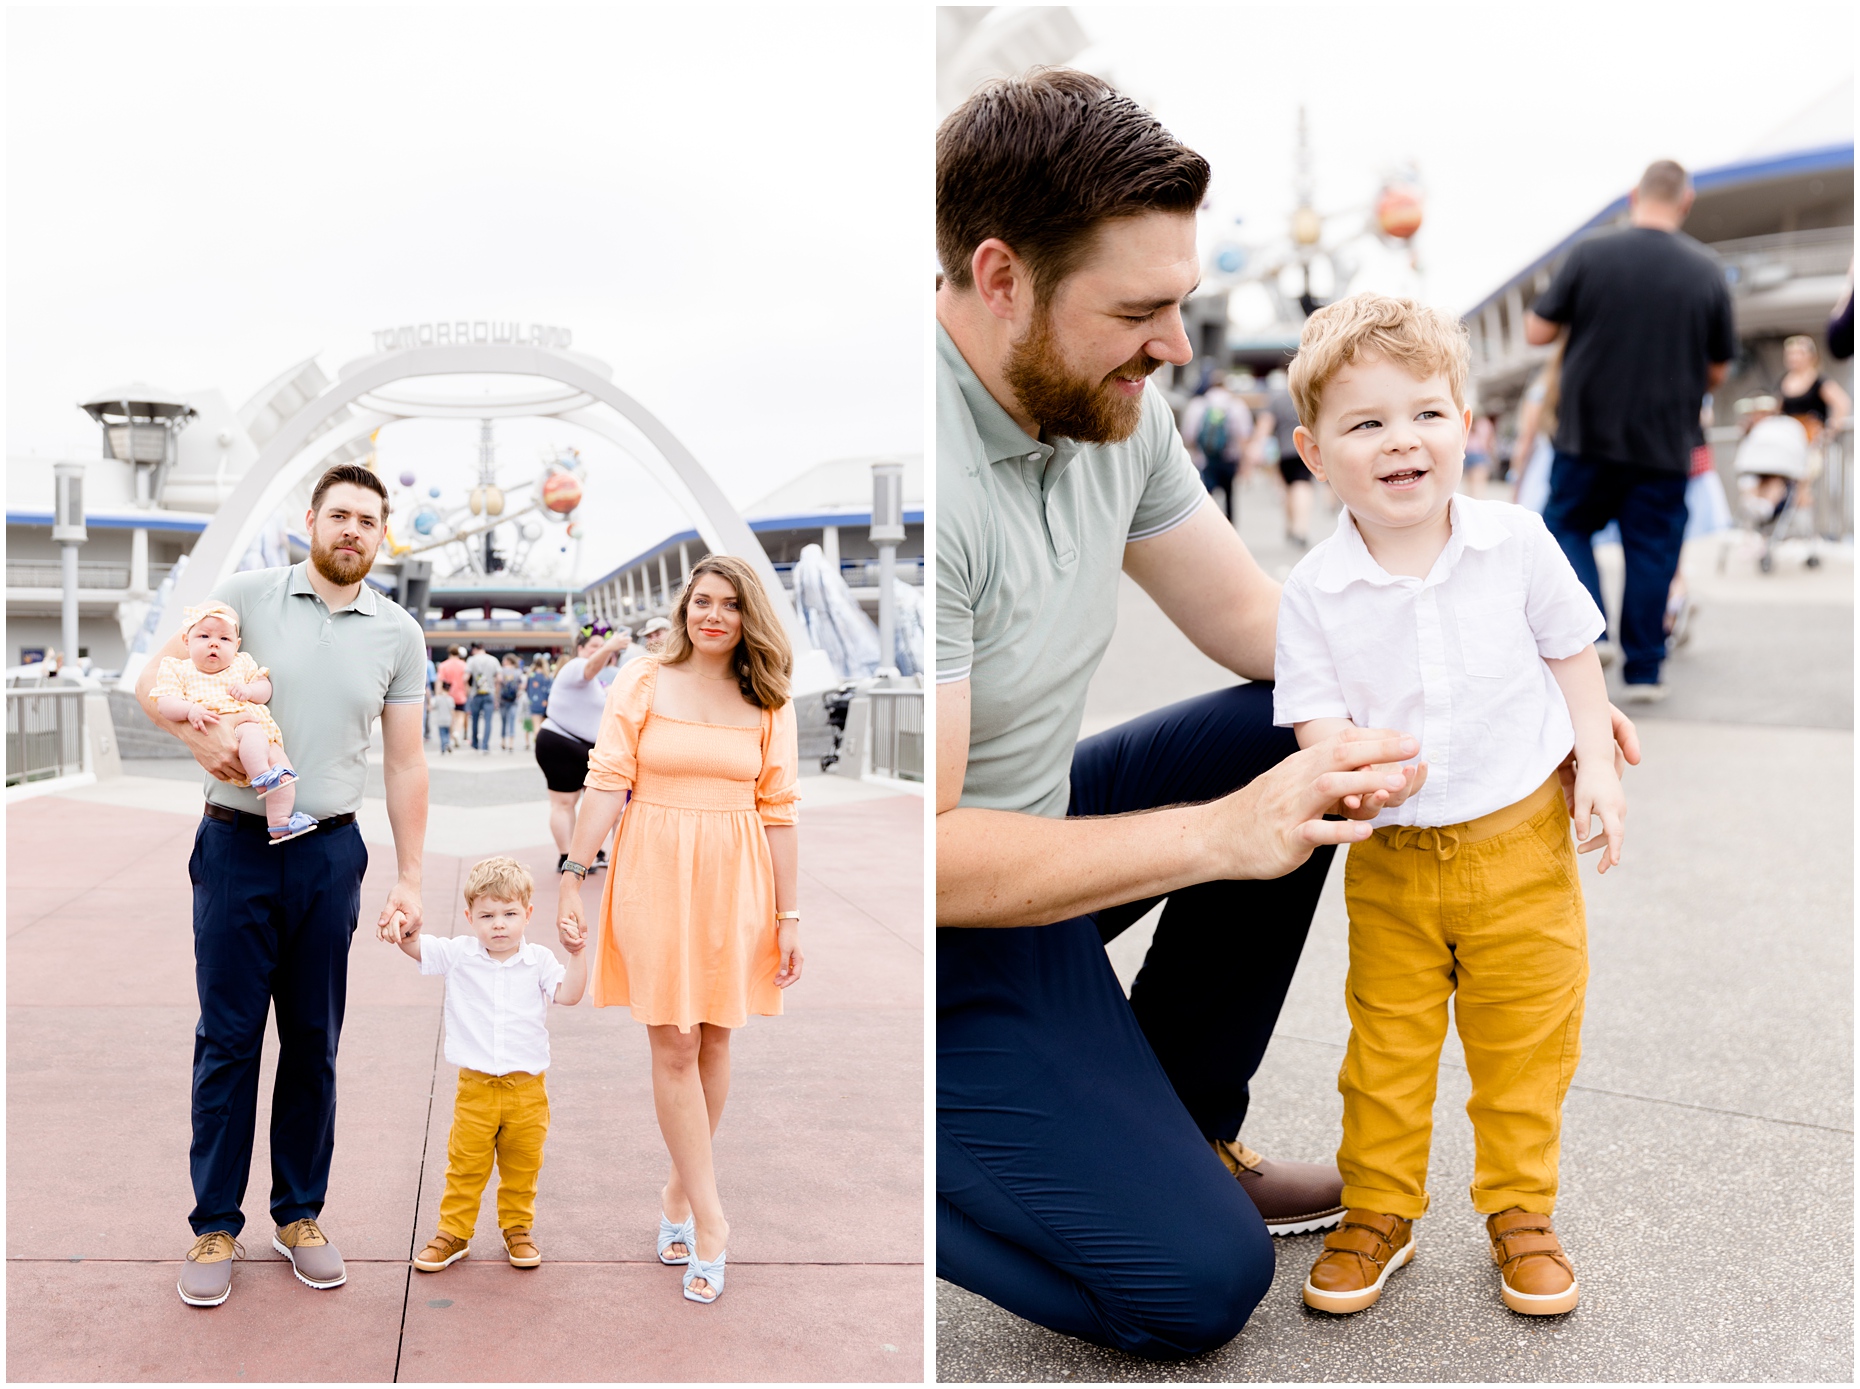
(425, 519)
(561, 492)
(1398, 211)
(407, 479)
(432, 492)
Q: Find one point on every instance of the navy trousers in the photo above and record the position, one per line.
(272, 925)
(1650, 506)
(1075, 1184)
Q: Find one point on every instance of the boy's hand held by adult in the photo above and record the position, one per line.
(403, 898)
(568, 914)
(1274, 822)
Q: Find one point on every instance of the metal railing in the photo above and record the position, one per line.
(1760, 262)
(1834, 489)
(44, 734)
(100, 575)
(897, 735)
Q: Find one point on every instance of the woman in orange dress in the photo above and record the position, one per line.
(699, 922)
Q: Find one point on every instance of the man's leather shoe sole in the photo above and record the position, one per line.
(1305, 1224)
(284, 1249)
(1540, 1304)
(1356, 1301)
(193, 1301)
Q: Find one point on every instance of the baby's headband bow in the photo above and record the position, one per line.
(211, 608)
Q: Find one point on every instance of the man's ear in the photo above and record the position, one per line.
(1000, 278)
(310, 521)
(1307, 445)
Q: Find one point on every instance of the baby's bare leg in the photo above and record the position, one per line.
(280, 803)
(252, 749)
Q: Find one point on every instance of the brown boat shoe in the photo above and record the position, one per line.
(1293, 1198)
(521, 1248)
(1535, 1275)
(442, 1251)
(1357, 1260)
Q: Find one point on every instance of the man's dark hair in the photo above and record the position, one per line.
(1041, 160)
(348, 472)
(1665, 182)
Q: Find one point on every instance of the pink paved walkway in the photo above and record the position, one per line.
(821, 1152)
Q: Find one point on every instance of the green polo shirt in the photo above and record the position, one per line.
(330, 674)
(1030, 540)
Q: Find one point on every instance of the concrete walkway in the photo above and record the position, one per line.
(820, 1154)
(1708, 1143)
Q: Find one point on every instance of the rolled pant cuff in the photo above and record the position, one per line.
(1492, 1202)
(1365, 1198)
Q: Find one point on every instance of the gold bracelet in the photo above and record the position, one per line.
(787, 916)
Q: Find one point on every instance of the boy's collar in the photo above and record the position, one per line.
(1347, 559)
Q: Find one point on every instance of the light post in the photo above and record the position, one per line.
(140, 424)
(68, 534)
(887, 531)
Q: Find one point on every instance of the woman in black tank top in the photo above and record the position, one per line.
(1805, 393)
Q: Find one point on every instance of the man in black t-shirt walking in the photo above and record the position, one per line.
(1650, 332)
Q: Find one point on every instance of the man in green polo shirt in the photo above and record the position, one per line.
(1090, 1175)
(272, 922)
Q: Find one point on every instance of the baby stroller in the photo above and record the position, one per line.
(1777, 466)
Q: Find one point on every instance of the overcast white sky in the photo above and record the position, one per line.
(727, 205)
(1524, 119)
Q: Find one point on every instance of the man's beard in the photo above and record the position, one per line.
(340, 570)
(1067, 406)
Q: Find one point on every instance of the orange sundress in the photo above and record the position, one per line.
(688, 913)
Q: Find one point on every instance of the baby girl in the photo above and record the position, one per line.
(217, 678)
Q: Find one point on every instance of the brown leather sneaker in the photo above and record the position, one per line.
(1293, 1198)
(1535, 1275)
(442, 1251)
(1357, 1260)
(206, 1272)
(521, 1248)
(316, 1262)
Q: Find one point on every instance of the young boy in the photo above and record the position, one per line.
(1459, 621)
(219, 680)
(498, 991)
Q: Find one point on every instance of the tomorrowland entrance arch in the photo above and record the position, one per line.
(570, 387)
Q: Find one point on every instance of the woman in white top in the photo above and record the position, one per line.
(570, 726)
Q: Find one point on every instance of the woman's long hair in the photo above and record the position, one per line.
(763, 660)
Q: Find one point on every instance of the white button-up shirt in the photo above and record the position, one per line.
(1456, 659)
(496, 1010)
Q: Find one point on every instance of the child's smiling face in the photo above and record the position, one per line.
(498, 924)
(212, 643)
(1392, 445)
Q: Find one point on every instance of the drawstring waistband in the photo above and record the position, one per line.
(1446, 839)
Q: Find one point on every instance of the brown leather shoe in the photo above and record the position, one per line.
(1535, 1275)
(1293, 1198)
(521, 1248)
(1357, 1260)
(442, 1251)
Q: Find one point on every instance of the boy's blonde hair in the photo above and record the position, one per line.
(1416, 338)
(502, 878)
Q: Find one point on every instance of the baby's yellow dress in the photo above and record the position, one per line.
(180, 677)
(688, 913)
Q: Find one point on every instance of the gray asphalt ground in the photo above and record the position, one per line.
(1708, 1143)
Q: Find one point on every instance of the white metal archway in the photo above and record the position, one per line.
(297, 449)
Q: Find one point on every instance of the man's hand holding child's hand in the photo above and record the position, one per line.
(396, 929)
(1372, 805)
(1598, 792)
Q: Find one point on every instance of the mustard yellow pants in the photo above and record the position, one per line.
(502, 1118)
(1488, 914)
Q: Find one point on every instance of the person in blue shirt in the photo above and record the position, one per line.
(536, 689)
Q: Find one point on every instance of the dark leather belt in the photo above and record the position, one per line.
(233, 817)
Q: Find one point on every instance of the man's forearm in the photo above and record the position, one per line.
(406, 808)
(999, 868)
